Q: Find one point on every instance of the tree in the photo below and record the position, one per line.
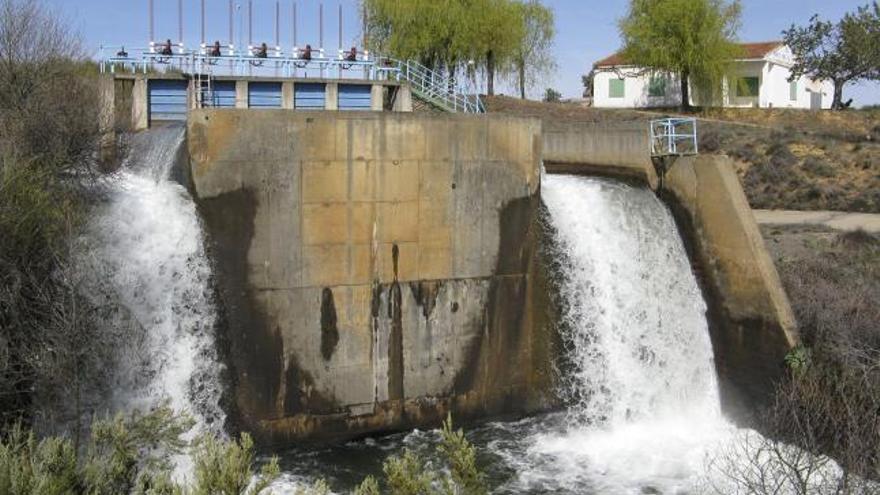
(587, 81)
(532, 57)
(693, 39)
(844, 53)
(423, 30)
(552, 96)
(499, 36)
(48, 113)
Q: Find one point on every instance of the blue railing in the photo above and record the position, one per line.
(436, 88)
(674, 136)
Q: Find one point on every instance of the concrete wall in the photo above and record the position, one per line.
(751, 321)
(598, 149)
(377, 270)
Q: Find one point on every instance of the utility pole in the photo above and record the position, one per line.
(321, 25)
(180, 21)
(250, 23)
(293, 20)
(203, 22)
(231, 24)
(277, 25)
(340, 27)
(152, 25)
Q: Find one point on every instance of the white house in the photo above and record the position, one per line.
(759, 80)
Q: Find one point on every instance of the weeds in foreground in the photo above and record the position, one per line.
(132, 454)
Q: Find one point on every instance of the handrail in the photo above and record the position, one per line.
(674, 137)
(435, 87)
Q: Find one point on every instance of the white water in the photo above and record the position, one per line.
(645, 404)
(148, 242)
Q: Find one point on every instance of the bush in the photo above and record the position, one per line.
(710, 141)
(818, 167)
(226, 468)
(746, 153)
(129, 454)
(552, 96)
(48, 143)
(826, 408)
(781, 156)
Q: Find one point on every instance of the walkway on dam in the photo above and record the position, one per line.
(838, 220)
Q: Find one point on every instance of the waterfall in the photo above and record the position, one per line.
(643, 389)
(147, 246)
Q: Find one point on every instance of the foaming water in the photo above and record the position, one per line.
(644, 402)
(148, 244)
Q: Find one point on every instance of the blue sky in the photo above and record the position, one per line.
(586, 29)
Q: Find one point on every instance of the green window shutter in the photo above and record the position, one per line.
(616, 89)
(657, 87)
(793, 91)
(748, 87)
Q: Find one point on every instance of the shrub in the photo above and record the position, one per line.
(552, 96)
(827, 406)
(226, 468)
(780, 155)
(818, 167)
(131, 454)
(710, 141)
(747, 153)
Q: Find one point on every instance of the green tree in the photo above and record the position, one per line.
(844, 52)
(496, 30)
(693, 39)
(427, 31)
(532, 57)
(552, 96)
(499, 36)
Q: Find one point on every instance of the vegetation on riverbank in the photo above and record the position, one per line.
(134, 454)
(48, 113)
(827, 407)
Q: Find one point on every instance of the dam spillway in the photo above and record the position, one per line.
(375, 272)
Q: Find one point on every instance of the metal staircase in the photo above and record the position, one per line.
(438, 89)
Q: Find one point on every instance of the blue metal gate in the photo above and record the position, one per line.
(223, 94)
(355, 96)
(168, 99)
(309, 96)
(264, 95)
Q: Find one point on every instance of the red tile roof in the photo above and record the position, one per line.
(750, 51)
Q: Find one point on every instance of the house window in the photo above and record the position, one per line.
(747, 87)
(793, 91)
(616, 88)
(657, 86)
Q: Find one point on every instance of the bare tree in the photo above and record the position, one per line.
(48, 117)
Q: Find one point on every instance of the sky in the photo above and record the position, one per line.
(586, 29)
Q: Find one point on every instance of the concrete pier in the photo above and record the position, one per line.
(378, 270)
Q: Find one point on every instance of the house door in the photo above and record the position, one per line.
(815, 100)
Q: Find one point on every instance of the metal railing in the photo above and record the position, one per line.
(674, 136)
(432, 86)
(439, 89)
(276, 63)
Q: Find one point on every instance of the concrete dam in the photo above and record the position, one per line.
(367, 273)
(377, 271)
